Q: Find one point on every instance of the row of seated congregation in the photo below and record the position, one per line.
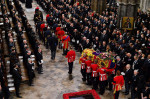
(20, 52)
(88, 29)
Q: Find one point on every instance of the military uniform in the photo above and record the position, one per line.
(118, 82)
(65, 43)
(88, 71)
(94, 68)
(102, 79)
(83, 68)
(71, 58)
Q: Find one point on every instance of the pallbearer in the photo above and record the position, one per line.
(83, 68)
(102, 78)
(88, 70)
(94, 68)
(111, 74)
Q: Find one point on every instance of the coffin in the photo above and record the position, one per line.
(104, 57)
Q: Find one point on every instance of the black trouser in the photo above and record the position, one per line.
(127, 86)
(31, 76)
(70, 67)
(102, 85)
(110, 85)
(47, 44)
(83, 72)
(133, 92)
(60, 45)
(95, 82)
(65, 51)
(88, 76)
(53, 53)
(116, 95)
(11, 68)
(17, 85)
(39, 68)
(139, 91)
(40, 35)
(30, 80)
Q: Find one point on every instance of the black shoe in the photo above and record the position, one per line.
(31, 85)
(126, 93)
(94, 88)
(19, 97)
(83, 79)
(100, 93)
(40, 72)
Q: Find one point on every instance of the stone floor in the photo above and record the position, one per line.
(55, 81)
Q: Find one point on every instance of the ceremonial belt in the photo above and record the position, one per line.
(115, 87)
(82, 65)
(66, 38)
(94, 72)
(88, 69)
(102, 75)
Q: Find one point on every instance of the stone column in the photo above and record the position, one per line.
(128, 8)
(98, 5)
(145, 5)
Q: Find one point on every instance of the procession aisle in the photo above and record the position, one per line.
(55, 81)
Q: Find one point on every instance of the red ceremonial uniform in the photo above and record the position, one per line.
(57, 29)
(60, 34)
(65, 40)
(118, 82)
(47, 16)
(78, 3)
(71, 56)
(111, 71)
(94, 68)
(102, 74)
(88, 66)
(42, 27)
(82, 60)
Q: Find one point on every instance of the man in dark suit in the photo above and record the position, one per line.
(39, 58)
(17, 79)
(128, 78)
(146, 68)
(53, 42)
(28, 3)
(47, 35)
(31, 75)
(128, 59)
(119, 64)
(134, 82)
(136, 64)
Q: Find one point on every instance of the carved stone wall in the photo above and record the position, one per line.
(98, 5)
(127, 8)
(145, 5)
